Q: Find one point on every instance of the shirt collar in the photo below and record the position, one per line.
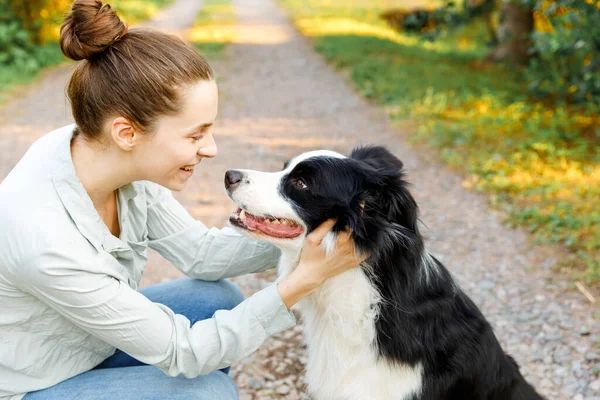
(79, 204)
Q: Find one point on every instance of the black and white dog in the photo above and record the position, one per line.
(396, 328)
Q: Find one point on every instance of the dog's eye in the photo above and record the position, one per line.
(300, 184)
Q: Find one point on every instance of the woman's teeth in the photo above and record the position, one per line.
(187, 168)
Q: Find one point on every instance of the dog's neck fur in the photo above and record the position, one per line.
(339, 319)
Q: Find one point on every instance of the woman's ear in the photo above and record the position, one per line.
(123, 133)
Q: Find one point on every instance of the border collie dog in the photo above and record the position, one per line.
(396, 328)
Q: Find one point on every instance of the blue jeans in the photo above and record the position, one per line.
(123, 377)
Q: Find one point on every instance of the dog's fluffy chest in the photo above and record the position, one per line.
(339, 331)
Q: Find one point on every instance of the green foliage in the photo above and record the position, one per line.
(565, 51)
(566, 62)
(213, 29)
(16, 48)
(20, 59)
(135, 11)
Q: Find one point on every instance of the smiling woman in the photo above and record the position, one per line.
(80, 210)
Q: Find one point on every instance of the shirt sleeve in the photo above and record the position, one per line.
(112, 311)
(197, 251)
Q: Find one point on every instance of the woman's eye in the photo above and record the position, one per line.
(197, 138)
(300, 184)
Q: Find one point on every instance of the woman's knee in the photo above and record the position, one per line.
(232, 294)
(194, 298)
(223, 294)
(220, 386)
(215, 385)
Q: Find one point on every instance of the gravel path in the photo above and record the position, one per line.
(279, 98)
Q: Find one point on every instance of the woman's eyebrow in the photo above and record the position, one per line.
(202, 126)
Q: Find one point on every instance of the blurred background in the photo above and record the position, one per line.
(504, 94)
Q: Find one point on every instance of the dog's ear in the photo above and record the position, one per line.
(378, 157)
(384, 185)
(384, 204)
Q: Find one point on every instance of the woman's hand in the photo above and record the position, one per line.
(315, 266)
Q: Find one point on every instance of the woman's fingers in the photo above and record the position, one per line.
(316, 236)
(345, 245)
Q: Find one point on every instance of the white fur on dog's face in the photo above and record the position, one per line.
(259, 193)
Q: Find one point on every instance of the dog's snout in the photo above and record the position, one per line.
(232, 179)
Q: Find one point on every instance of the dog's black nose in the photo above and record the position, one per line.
(232, 178)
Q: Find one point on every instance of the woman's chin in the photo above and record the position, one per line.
(175, 185)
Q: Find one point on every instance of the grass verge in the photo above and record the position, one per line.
(214, 28)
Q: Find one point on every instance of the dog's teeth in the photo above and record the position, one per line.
(276, 221)
(285, 222)
(243, 215)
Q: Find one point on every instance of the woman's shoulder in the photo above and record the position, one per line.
(45, 146)
(36, 164)
(30, 208)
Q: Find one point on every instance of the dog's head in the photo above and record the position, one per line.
(365, 192)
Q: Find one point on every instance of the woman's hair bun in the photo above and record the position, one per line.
(89, 29)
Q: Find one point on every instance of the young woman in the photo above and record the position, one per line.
(80, 209)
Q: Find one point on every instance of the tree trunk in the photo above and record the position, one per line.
(515, 27)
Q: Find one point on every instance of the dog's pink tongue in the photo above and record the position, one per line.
(280, 231)
(277, 230)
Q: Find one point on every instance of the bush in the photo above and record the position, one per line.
(566, 51)
(565, 43)
(15, 48)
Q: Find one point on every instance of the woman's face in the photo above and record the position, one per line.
(181, 141)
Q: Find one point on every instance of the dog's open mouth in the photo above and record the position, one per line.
(276, 227)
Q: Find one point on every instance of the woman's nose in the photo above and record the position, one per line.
(209, 150)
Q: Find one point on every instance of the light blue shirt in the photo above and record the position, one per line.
(68, 287)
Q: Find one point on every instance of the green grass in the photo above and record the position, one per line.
(136, 11)
(538, 162)
(214, 28)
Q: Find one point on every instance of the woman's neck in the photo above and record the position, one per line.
(100, 170)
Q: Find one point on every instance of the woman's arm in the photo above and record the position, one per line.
(75, 286)
(197, 251)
